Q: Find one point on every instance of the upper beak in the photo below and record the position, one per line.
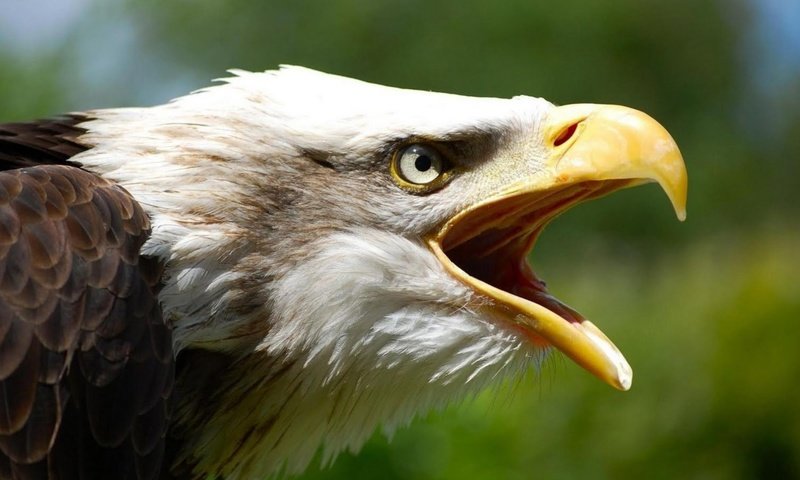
(593, 147)
(610, 142)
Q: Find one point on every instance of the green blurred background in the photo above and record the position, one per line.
(707, 312)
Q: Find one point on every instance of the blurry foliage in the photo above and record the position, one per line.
(706, 311)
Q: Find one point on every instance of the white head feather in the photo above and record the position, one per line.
(321, 272)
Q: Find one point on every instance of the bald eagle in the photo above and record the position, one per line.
(227, 283)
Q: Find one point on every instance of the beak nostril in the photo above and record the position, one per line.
(565, 135)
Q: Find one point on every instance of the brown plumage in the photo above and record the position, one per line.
(86, 361)
(28, 144)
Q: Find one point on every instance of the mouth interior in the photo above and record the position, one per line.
(506, 268)
(491, 243)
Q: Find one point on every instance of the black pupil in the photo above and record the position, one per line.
(423, 163)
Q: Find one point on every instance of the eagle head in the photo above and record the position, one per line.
(347, 255)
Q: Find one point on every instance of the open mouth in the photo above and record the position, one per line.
(496, 253)
(487, 247)
(591, 150)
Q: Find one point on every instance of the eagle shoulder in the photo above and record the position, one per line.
(86, 360)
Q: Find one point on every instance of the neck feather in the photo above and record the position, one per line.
(332, 371)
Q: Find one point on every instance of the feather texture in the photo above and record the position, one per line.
(43, 142)
(85, 357)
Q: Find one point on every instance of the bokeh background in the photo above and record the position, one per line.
(707, 312)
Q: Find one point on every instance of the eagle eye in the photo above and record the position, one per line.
(419, 166)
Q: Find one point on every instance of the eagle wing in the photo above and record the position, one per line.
(86, 360)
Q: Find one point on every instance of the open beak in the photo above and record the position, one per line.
(593, 150)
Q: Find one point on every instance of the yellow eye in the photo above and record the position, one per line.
(419, 164)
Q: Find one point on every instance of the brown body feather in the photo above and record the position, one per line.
(86, 360)
(29, 144)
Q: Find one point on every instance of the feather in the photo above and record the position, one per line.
(53, 364)
(147, 431)
(103, 270)
(99, 303)
(29, 203)
(16, 271)
(17, 393)
(149, 465)
(15, 344)
(32, 441)
(75, 284)
(9, 225)
(10, 187)
(113, 407)
(39, 316)
(85, 227)
(55, 202)
(47, 242)
(57, 275)
(60, 330)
